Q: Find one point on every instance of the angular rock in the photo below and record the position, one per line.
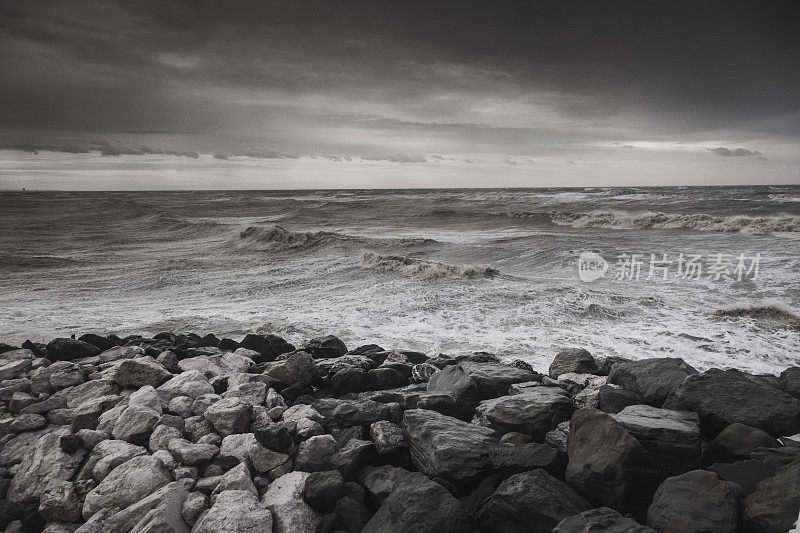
(237, 478)
(577, 360)
(359, 413)
(238, 446)
(325, 347)
(159, 511)
(193, 507)
(352, 456)
(314, 454)
(139, 372)
(388, 437)
(600, 519)
(612, 398)
(230, 416)
(607, 465)
(671, 437)
(191, 454)
(775, 504)
(442, 446)
(59, 502)
(722, 398)
(532, 502)
(90, 390)
(161, 437)
(652, 379)
(323, 489)
(298, 367)
(191, 384)
(747, 474)
(515, 458)
(254, 393)
(106, 456)
(102, 343)
(422, 372)
(135, 424)
(694, 502)
(40, 465)
(532, 413)
(472, 381)
(275, 437)
(127, 484)
(290, 513)
(735, 443)
(790, 381)
(384, 378)
(236, 511)
(268, 346)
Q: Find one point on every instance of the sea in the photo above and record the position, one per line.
(709, 274)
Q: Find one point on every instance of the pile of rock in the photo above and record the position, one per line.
(179, 433)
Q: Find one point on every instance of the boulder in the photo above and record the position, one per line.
(747, 474)
(14, 369)
(351, 515)
(694, 502)
(515, 458)
(472, 381)
(90, 390)
(105, 457)
(59, 502)
(532, 502)
(102, 343)
(230, 416)
(64, 349)
(442, 446)
(290, 513)
(298, 367)
(268, 346)
(135, 424)
(42, 463)
(127, 484)
(348, 380)
(416, 503)
(236, 511)
(325, 347)
(532, 413)
(735, 443)
(652, 379)
(577, 360)
(352, 456)
(607, 465)
(193, 506)
(379, 481)
(139, 372)
(191, 384)
(191, 454)
(359, 413)
(601, 519)
(790, 381)
(613, 398)
(384, 378)
(775, 504)
(671, 437)
(314, 454)
(323, 489)
(159, 511)
(722, 398)
(275, 437)
(387, 436)
(237, 478)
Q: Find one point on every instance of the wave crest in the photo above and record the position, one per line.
(762, 309)
(421, 268)
(279, 238)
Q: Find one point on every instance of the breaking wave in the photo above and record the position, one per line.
(421, 268)
(762, 309)
(279, 238)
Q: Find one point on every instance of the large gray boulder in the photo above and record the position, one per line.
(532, 413)
(442, 446)
(236, 511)
(577, 360)
(290, 513)
(736, 442)
(136, 373)
(607, 465)
(191, 384)
(159, 511)
(416, 503)
(722, 398)
(694, 502)
(106, 456)
(529, 502)
(652, 379)
(603, 520)
(230, 416)
(298, 367)
(127, 484)
(471, 381)
(790, 381)
(40, 465)
(775, 505)
(671, 437)
(135, 424)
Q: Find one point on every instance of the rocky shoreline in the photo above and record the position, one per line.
(180, 433)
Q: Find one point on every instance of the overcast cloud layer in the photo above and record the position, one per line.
(379, 93)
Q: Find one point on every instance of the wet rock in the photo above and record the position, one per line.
(236, 511)
(323, 489)
(607, 465)
(230, 416)
(722, 398)
(444, 403)
(127, 484)
(384, 378)
(102, 343)
(696, 501)
(417, 504)
(471, 381)
(601, 519)
(325, 347)
(44, 462)
(671, 437)
(64, 349)
(529, 502)
(442, 446)
(422, 372)
(290, 513)
(314, 454)
(652, 379)
(577, 360)
(136, 373)
(735, 443)
(775, 504)
(533, 413)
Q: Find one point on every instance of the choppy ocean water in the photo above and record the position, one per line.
(433, 270)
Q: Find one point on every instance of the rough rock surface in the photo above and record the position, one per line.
(43, 463)
(775, 504)
(603, 520)
(532, 413)
(290, 513)
(235, 511)
(126, 485)
(577, 360)
(652, 379)
(471, 381)
(694, 502)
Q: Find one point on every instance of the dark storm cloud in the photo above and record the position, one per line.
(734, 152)
(182, 66)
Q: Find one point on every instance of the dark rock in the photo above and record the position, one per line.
(577, 360)
(38, 349)
(422, 372)
(323, 489)
(735, 443)
(64, 349)
(472, 381)
(7, 348)
(444, 403)
(694, 502)
(209, 340)
(603, 520)
(671, 437)
(784, 455)
(790, 381)
(9, 512)
(352, 515)
(532, 502)
(102, 343)
(228, 345)
(515, 458)
(314, 454)
(379, 481)
(298, 367)
(442, 446)
(70, 443)
(348, 380)
(533, 413)
(384, 378)
(512, 437)
(352, 456)
(522, 365)
(387, 436)
(607, 465)
(607, 364)
(652, 379)
(366, 349)
(613, 398)
(775, 504)
(722, 398)
(269, 346)
(325, 347)
(747, 474)
(360, 412)
(418, 504)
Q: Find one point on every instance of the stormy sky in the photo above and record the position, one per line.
(254, 94)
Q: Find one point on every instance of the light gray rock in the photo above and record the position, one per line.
(238, 446)
(254, 393)
(388, 437)
(106, 456)
(230, 416)
(531, 413)
(237, 478)
(147, 397)
(193, 507)
(162, 436)
(120, 352)
(127, 484)
(191, 384)
(92, 389)
(135, 424)
(159, 511)
(284, 497)
(44, 462)
(59, 502)
(236, 511)
(314, 454)
(191, 454)
(141, 371)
